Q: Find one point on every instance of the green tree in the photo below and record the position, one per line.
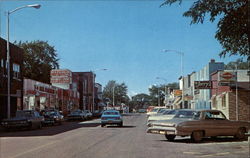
(157, 92)
(242, 65)
(233, 26)
(140, 101)
(39, 59)
(120, 92)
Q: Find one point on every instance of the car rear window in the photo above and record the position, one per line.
(111, 113)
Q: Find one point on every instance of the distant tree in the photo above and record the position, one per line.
(39, 59)
(243, 65)
(140, 101)
(120, 92)
(233, 27)
(157, 92)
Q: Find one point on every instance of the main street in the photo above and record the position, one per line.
(89, 140)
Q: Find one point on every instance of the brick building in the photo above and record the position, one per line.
(16, 79)
(224, 96)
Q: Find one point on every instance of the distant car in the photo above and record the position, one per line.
(30, 119)
(52, 117)
(205, 123)
(142, 110)
(77, 115)
(110, 117)
(97, 113)
(88, 114)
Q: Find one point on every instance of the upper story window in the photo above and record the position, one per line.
(2, 63)
(16, 70)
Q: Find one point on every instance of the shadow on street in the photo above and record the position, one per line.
(206, 140)
(111, 126)
(48, 130)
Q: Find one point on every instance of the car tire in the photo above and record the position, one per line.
(170, 137)
(40, 126)
(102, 125)
(120, 124)
(197, 136)
(240, 133)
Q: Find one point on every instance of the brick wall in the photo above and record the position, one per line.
(243, 105)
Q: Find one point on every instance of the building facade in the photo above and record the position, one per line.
(16, 79)
(232, 98)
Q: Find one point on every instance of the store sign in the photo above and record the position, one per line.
(177, 93)
(59, 76)
(203, 85)
(227, 76)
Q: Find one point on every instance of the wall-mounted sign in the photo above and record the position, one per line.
(177, 92)
(227, 76)
(203, 85)
(59, 76)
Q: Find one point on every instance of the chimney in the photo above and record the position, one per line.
(212, 61)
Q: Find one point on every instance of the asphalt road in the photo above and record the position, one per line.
(89, 140)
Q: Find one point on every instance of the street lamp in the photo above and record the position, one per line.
(165, 88)
(182, 76)
(37, 6)
(93, 91)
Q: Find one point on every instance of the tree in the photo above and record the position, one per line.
(120, 92)
(157, 93)
(233, 27)
(239, 63)
(140, 101)
(39, 59)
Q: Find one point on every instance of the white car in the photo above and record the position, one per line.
(88, 114)
(155, 111)
(167, 115)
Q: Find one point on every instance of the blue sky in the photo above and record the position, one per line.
(125, 37)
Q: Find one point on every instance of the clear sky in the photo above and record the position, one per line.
(125, 37)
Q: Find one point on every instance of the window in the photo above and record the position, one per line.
(16, 71)
(2, 64)
(223, 101)
(214, 116)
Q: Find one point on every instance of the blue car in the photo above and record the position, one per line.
(111, 117)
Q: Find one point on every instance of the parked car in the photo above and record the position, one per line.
(111, 117)
(88, 114)
(155, 111)
(30, 119)
(142, 110)
(205, 123)
(166, 115)
(77, 115)
(97, 113)
(52, 117)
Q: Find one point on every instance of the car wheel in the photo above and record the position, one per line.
(40, 125)
(120, 124)
(240, 133)
(170, 137)
(102, 125)
(197, 136)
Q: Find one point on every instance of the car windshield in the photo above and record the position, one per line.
(171, 112)
(161, 110)
(155, 110)
(184, 114)
(50, 113)
(76, 112)
(23, 114)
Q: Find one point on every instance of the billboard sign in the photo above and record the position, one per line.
(59, 76)
(177, 92)
(227, 76)
(203, 85)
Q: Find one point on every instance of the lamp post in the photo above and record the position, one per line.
(165, 88)
(36, 6)
(93, 88)
(182, 76)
